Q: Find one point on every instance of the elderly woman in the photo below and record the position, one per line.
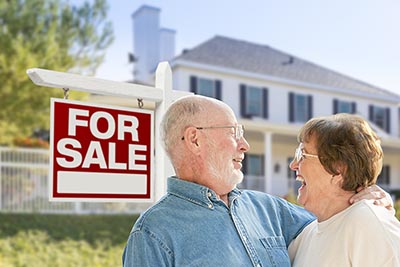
(337, 155)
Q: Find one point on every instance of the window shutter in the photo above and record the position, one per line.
(384, 176)
(244, 166)
(218, 85)
(353, 107)
(387, 120)
(371, 113)
(243, 101)
(265, 103)
(310, 106)
(335, 106)
(262, 165)
(193, 84)
(291, 107)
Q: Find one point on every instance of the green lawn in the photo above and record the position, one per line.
(36, 240)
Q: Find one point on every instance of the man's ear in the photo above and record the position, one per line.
(191, 139)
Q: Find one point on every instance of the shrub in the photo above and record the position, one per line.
(397, 208)
(63, 240)
(30, 142)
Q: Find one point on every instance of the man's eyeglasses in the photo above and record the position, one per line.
(238, 130)
(299, 154)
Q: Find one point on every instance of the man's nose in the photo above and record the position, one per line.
(243, 144)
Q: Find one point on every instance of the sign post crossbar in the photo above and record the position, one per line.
(162, 94)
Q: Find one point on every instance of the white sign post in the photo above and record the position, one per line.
(162, 94)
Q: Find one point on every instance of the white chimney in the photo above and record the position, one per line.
(167, 44)
(146, 42)
(151, 44)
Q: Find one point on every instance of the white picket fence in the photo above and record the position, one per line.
(24, 187)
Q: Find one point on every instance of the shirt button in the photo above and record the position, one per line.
(209, 194)
(258, 265)
(244, 238)
(210, 206)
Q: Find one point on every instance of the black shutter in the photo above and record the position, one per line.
(384, 175)
(193, 84)
(262, 165)
(218, 85)
(353, 107)
(371, 113)
(265, 102)
(387, 120)
(291, 107)
(310, 106)
(335, 106)
(244, 165)
(243, 101)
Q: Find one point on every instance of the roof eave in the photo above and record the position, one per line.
(181, 62)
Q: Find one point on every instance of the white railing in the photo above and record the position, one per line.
(24, 187)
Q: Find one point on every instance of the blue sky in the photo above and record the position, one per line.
(359, 38)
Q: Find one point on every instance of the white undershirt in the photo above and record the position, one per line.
(363, 235)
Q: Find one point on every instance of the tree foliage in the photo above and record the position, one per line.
(49, 34)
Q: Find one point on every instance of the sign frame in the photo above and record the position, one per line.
(62, 184)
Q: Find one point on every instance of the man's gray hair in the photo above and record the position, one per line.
(184, 112)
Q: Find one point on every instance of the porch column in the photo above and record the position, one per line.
(268, 161)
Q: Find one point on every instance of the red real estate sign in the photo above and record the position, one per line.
(100, 153)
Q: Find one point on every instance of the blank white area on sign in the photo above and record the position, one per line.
(101, 183)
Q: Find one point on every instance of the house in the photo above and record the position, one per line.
(272, 93)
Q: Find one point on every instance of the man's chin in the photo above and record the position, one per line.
(238, 177)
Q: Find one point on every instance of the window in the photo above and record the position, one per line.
(340, 106)
(384, 177)
(380, 116)
(253, 168)
(206, 87)
(254, 165)
(290, 173)
(254, 101)
(300, 107)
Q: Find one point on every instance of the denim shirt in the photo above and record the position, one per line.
(191, 226)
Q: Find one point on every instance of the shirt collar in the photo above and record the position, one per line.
(196, 193)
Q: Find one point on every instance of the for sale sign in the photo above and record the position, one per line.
(100, 153)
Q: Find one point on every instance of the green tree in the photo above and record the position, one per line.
(49, 34)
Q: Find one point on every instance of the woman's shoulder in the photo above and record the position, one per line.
(368, 216)
(366, 209)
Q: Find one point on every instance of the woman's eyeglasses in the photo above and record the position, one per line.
(299, 154)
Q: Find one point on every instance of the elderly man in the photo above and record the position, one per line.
(204, 220)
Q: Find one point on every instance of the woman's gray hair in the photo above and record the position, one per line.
(346, 144)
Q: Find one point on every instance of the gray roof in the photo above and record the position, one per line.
(255, 58)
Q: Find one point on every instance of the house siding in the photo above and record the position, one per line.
(283, 145)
